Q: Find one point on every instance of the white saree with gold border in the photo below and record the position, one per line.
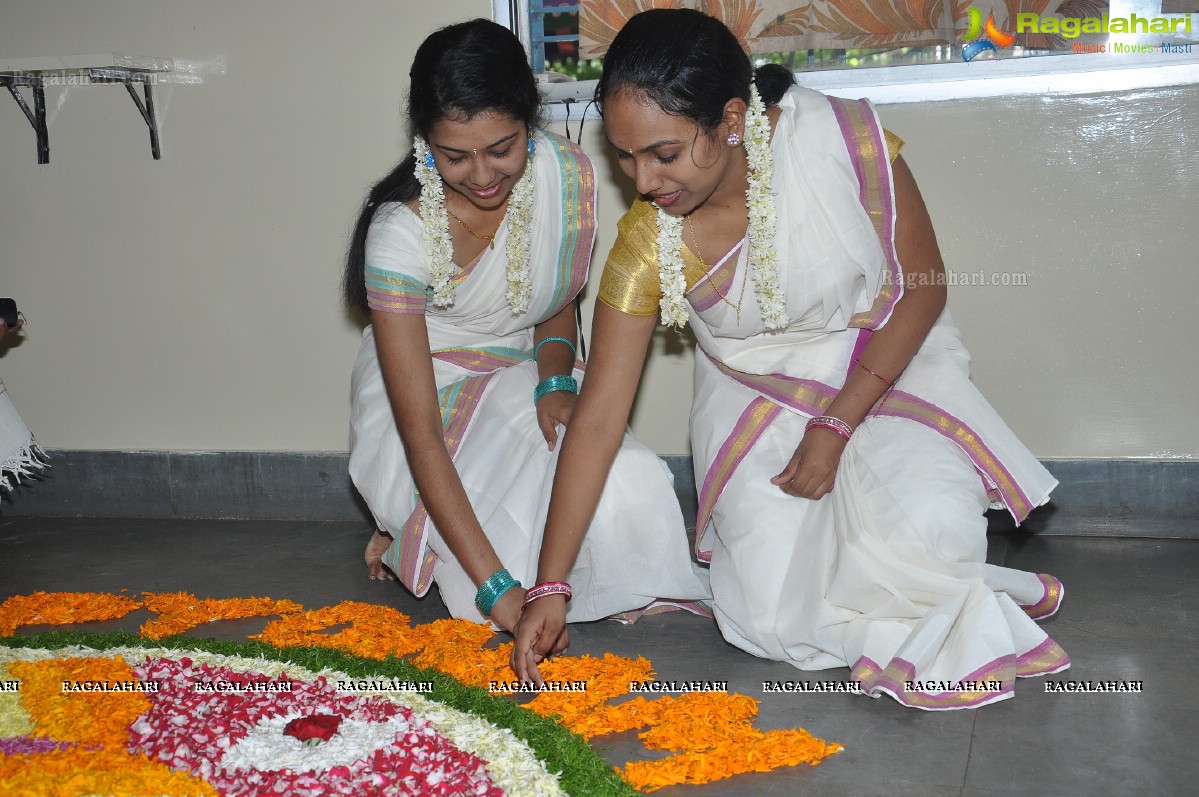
(887, 574)
(635, 556)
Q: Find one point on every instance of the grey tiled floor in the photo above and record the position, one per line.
(1129, 614)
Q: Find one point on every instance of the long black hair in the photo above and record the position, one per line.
(459, 71)
(688, 64)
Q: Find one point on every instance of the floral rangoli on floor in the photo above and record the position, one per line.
(321, 703)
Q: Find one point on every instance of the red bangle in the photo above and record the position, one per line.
(867, 369)
(547, 588)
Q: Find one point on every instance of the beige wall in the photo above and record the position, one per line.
(191, 303)
(1096, 199)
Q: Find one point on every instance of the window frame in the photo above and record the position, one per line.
(1068, 73)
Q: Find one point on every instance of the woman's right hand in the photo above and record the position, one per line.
(812, 471)
(540, 634)
(4, 330)
(554, 409)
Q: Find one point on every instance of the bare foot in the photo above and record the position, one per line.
(375, 569)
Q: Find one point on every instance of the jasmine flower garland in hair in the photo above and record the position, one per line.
(759, 202)
(437, 231)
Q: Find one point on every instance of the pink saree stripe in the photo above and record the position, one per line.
(810, 397)
(409, 556)
(578, 220)
(462, 410)
(703, 297)
(482, 360)
(1048, 605)
(858, 347)
(749, 427)
(1045, 659)
(868, 153)
(467, 270)
(993, 681)
(802, 395)
(395, 302)
(415, 561)
(899, 404)
(663, 606)
(707, 293)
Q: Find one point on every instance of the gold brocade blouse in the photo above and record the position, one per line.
(630, 282)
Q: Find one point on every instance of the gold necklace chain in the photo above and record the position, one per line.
(490, 239)
(711, 277)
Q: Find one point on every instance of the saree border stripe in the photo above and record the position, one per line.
(1049, 603)
(484, 359)
(467, 270)
(809, 397)
(663, 607)
(749, 427)
(869, 155)
(409, 555)
(859, 346)
(393, 293)
(893, 678)
(704, 294)
(900, 404)
(578, 219)
(1045, 659)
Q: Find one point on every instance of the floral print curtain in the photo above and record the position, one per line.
(765, 26)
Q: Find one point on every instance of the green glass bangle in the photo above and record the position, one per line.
(553, 384)
(494, 588)
(537, 350)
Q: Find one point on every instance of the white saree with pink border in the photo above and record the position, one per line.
(887, 574)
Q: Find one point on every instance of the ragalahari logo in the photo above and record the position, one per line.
(991, 38)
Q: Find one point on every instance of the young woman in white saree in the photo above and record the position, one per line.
(843, 457)
(468, 259)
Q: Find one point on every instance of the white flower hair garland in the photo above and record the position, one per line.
(763, 257)
(436, 223)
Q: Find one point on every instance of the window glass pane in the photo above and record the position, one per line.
(554, 29)
(557, 22)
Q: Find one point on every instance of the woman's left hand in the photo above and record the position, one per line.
(813, 468)
(553, 409)
(541, 633)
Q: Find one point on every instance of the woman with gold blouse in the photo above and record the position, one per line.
(842, 455)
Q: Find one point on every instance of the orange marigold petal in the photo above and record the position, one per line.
(84, 717)
(373, 632)
(76, 772)
(61, 608)
(181, 611)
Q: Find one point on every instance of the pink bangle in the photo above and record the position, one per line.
(867, 369)
(548, 588)
(829, 422)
